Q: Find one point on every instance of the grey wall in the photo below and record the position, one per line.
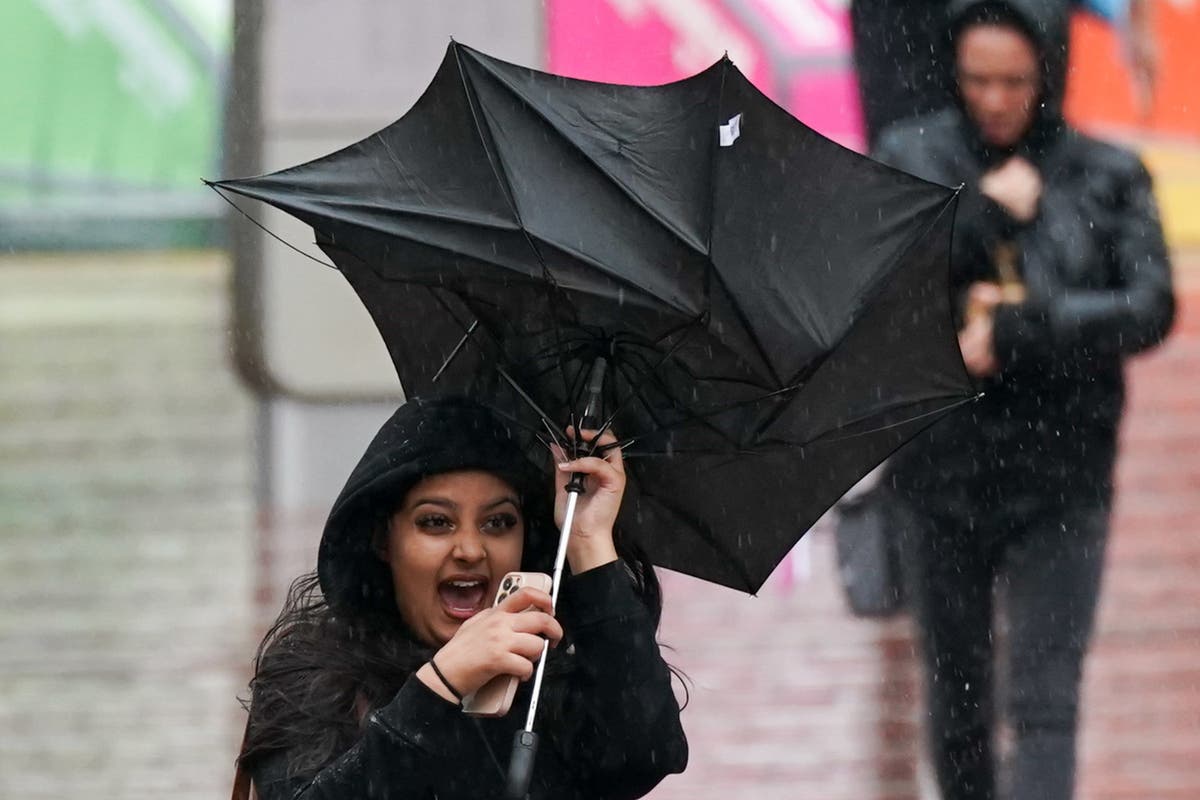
(311, 76)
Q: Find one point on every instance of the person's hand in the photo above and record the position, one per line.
(504, 640)
(975, 340)
(1016, 185)
(591, 544)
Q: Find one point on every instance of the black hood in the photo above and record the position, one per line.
(423, 438)
(1046, 23)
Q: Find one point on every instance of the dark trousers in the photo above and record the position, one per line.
(1041, 570)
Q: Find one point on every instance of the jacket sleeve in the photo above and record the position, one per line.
(1132, 315)
(630, 735)
(413, 747)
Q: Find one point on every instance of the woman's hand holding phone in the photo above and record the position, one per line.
(506, 639)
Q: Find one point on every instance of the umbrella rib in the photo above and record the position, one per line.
(692, 373)
(652, 377)
(469, 330)
(529, 401)
(531, 429)
(942, 410)
(216, 188)
(457, 349)
(635, 388)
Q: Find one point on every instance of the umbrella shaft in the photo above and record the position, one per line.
(560, 558)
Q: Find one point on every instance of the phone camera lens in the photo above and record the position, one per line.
(508, 582)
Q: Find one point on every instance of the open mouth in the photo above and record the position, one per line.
(462, 598)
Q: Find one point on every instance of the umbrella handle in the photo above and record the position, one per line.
(591, 414)
(520, 766)
(525, 742)
(520, 763)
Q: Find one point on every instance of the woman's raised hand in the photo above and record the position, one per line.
(504, 640)
(591, 543)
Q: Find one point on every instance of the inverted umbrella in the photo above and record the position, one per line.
(762, 313)
(772, 309)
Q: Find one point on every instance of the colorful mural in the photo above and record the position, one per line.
(796, 51)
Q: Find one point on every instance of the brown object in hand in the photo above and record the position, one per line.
(495, 697)
(1012, 288)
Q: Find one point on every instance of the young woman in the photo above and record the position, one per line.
(357, 685)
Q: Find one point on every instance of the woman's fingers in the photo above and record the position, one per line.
(531, 611)
(528, 646)
(527, 597)
(539, 625)
(517, 665)
(592, 465)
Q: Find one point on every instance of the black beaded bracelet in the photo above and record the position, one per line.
(457, 694)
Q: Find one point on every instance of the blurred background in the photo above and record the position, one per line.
(181, 396)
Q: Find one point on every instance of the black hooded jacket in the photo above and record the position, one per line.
(608, 720)
(1098, 289)
(902, 54)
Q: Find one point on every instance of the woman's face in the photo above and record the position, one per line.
(999, 82)
(448, 546)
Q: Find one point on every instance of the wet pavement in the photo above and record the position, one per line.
(130, 566)
(125, 506)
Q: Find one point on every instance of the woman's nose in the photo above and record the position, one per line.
(468, 545)
(995, 100)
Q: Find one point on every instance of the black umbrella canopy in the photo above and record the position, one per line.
(772, 308)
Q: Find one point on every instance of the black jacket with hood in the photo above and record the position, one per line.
(609, 720)
(1098, 287)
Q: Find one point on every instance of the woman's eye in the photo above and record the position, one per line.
(500, 523)
(433, 522)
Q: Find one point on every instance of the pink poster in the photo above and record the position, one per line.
(795, 51)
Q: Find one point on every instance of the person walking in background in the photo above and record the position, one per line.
(1061, 272)
(903, 59)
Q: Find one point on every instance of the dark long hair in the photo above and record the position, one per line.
(319, 670)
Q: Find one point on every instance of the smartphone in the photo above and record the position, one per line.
(495, 697)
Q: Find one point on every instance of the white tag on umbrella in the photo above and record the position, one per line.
(731, 130)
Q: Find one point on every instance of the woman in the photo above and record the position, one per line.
(900, 53)
(357, 686)
(1062, 273)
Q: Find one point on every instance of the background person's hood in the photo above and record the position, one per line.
(1047, 24)
(423, 437)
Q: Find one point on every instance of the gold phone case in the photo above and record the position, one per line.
(495, 697)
